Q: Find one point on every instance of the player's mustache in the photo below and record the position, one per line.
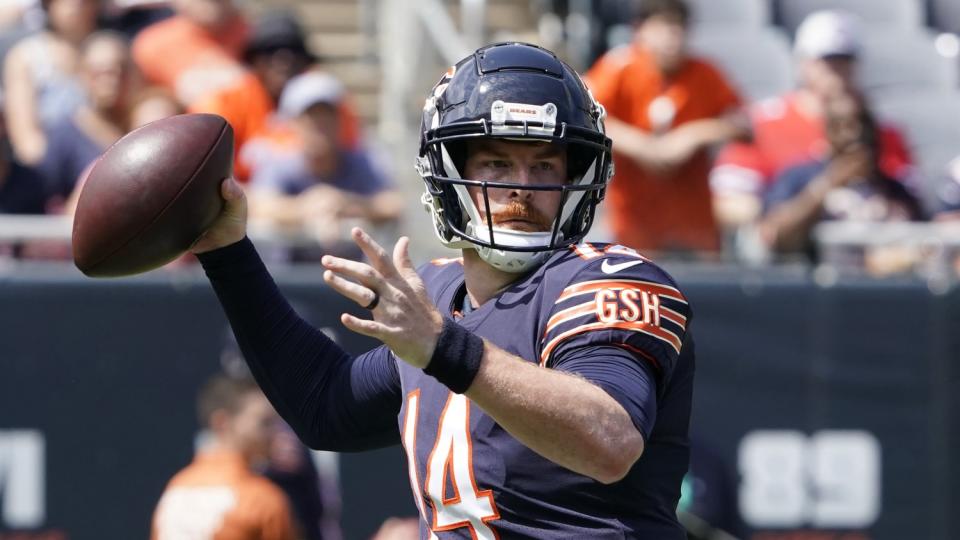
(523, 211)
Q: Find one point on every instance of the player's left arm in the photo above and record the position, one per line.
(562, 416)
(596, 437)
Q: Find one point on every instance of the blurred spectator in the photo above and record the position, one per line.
(129, 17)
(789, 129)
(18, 19)
(665, 111)
(74, 142)
(206, 73)
(396, 528)
(38, 75)
(849, 184)
(196, 52)
(949, 193)
(312, 180)
(291, 468)
(12, 12)
(276, 52)
(150, 105)
(21, 191)
(949, 199)
(313, 492)
(218, 495)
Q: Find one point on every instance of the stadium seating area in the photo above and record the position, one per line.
(910, 65)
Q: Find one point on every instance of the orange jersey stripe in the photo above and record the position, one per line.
(569, 314)
(623, 250)
(672, 315)
(659, 333)
(586, 251)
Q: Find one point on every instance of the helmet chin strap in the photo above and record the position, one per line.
(510, 261)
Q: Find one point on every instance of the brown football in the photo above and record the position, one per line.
(151, 195)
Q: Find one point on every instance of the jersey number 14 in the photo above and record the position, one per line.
(451, 459)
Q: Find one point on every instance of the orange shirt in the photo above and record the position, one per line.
(217, 497)
(783, 136)
(660, 212)
(186, 59)
(272, 132)
(246, 105)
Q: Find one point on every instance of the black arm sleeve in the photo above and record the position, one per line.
(332, 401)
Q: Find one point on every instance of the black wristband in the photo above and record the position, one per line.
(456, 359)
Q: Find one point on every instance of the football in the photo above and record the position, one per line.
(151, 195)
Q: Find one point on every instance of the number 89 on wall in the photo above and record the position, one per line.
(825, 480)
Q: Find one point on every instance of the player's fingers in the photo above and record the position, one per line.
(234, 198)
(401, 255)
(363, 296)
(401, 258)
(378, 256)
(363, 326)
(362, 272)
(230, 189)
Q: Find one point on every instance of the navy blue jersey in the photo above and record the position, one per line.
(601, 312)
(472, 478)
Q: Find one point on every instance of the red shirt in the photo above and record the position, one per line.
(660, 212)
(783, 137)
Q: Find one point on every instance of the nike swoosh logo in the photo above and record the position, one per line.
(608, 268)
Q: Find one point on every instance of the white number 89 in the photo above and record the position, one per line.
(830, 479)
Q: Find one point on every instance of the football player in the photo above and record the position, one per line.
(540, 386)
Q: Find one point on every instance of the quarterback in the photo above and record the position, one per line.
(540, 385)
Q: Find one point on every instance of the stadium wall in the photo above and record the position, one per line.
(831, 410)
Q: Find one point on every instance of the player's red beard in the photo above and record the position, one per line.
(521, 216)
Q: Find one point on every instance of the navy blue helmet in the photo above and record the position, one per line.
(513, 91)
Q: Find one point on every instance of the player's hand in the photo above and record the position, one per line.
(231, 226)
(404, 318)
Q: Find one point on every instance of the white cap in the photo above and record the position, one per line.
(828, 33)
(307, 90)
(954, 169)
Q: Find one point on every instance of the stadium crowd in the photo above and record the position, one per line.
(848, 124)
(79, 74)
(721, 153)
